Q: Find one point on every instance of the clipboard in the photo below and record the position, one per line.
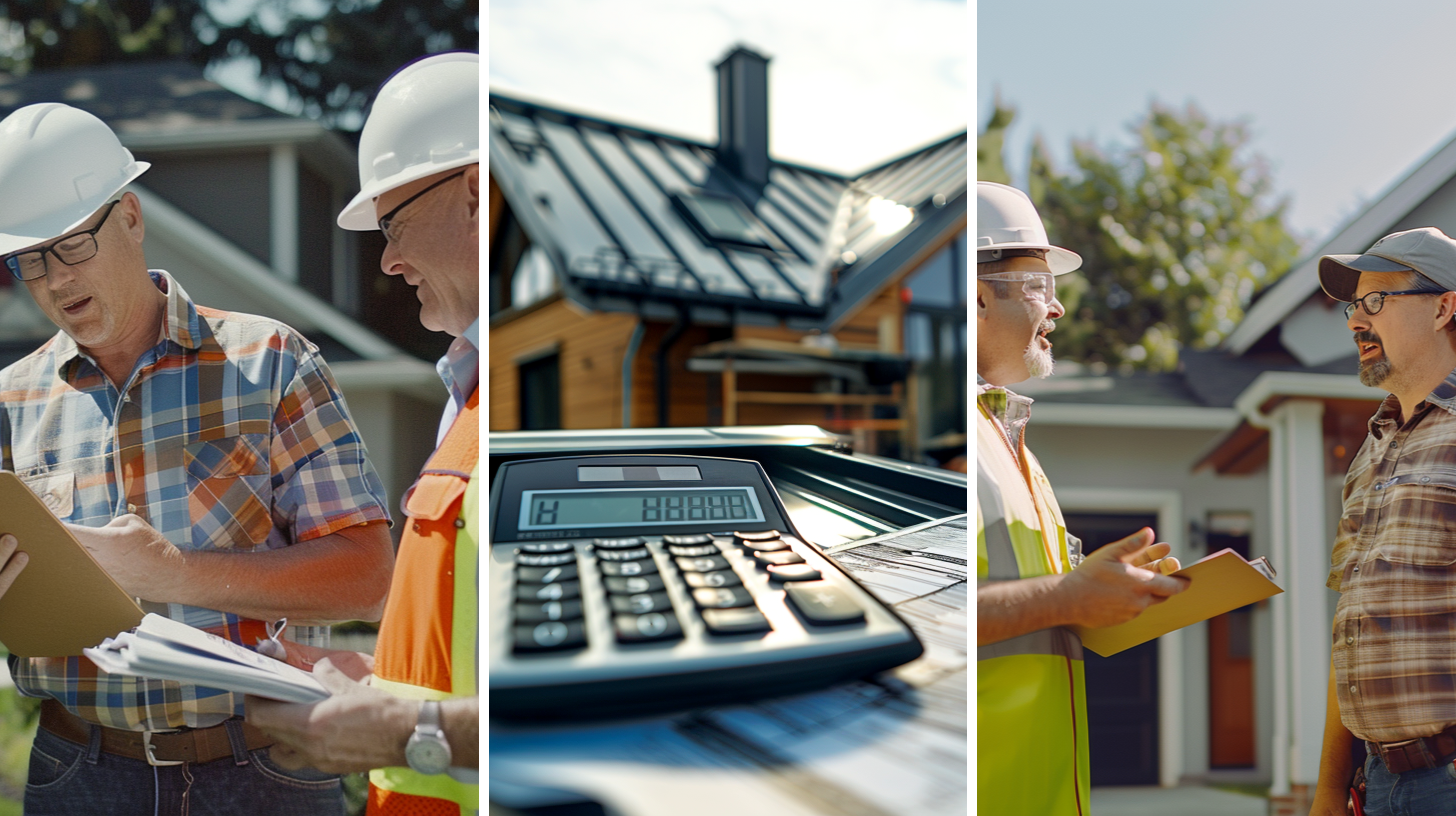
(63, 601)
(1219, 583)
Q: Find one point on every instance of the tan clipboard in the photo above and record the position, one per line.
(63, 601)
(1219, 583)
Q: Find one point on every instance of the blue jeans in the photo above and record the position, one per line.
(1417, 792)
(67, 779)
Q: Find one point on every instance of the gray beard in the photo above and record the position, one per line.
(1039, 363)
(1373, 374)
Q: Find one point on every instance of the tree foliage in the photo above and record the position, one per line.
(1176, 230)
(991, 144)
(329, 55)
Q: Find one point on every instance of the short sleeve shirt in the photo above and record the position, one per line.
(229, 434)
(1394, 564)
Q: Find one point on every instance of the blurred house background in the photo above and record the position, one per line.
(641, 279)
(1244, 446)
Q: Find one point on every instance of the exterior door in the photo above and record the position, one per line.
(1122, 690)
(1231, 675)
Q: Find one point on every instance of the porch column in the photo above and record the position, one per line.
(1302, 625)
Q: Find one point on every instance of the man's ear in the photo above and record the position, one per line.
(1446, 312)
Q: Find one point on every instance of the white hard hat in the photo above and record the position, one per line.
(58, 165)
(426, 119)
(1006, 219)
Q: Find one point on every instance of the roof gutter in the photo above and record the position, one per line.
(1273, 384)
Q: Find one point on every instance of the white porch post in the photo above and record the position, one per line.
(1301, 547)
(283, 210)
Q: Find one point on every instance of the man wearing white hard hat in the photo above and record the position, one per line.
(1031, 579)
(205, 458)
(415, 725)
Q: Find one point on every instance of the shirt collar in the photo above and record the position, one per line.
(179, 322)
(460, 367)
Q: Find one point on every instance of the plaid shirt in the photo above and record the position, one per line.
(229, 435)
(1394, 564)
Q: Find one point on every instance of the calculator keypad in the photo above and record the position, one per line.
(635, 576)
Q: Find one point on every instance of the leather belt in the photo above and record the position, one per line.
(1421, 752)
(155, 747)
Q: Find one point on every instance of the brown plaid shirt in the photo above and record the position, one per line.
(1394, 564)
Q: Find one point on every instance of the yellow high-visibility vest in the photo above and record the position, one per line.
(1031, 696)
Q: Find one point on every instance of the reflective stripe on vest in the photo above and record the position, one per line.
(428, 639)
(1031, 709)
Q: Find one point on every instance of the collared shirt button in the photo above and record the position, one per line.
(1394, 445)
(1350, 640)
(1352, 688)
(1357, 569)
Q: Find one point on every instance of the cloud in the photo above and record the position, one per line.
(851, 83)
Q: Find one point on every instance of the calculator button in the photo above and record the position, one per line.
(547, 547)
(688, 540)
(548, 592)
(785, 557)
(549, 611)
(549, 636)
(722, 598)
(766, 546)
(633, 585)
(767, 535)
(627, 568)
(700, 550)
(735, 621)
(709, 563)
(793, 572)
(721, 578)
(618, 543)
(649, 626)
(546, 575)
(623, 555)
(638, 604)
(821, 603)
(546, 560)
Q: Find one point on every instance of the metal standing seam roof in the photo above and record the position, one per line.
(597, 197)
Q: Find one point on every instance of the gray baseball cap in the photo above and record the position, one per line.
(1426, 250)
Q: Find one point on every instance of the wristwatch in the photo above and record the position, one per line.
(428, 752)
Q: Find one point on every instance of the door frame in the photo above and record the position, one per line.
(1168, 505)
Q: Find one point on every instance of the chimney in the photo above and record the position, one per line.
(743, 115)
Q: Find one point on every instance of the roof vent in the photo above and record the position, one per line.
(743, 115)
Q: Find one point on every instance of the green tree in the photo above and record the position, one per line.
(329, 55)
(991, 144)
(1176, 232)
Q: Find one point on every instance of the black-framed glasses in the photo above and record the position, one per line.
(388, 218)
(69, 249)
(1375, 301)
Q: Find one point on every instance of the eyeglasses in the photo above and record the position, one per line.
(1039, 285)
(69, 249)
(388, 218)
(1375, 301)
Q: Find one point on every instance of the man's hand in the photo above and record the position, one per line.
(11, 562)
(355, 665)
(1111, 586)
(356, 729)
(135, 555)
(1329, 803)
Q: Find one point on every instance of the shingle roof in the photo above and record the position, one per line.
(598, 197)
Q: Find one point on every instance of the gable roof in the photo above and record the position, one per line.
(598, 197)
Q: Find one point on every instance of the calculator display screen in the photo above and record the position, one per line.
(632, 507)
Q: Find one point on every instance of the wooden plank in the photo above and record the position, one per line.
(795, 398)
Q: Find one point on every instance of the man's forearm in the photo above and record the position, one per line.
(461, 721)
(1336, 769)
(337, 577)
(1008, 609)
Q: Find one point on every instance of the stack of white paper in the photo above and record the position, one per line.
(165, 649)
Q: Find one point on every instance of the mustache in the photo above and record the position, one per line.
(1367, 336)
(1046, 327)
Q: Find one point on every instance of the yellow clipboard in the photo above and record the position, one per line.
(63, 601)
(1219, 583)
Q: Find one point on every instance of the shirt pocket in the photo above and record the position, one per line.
(56, 489)
(229, 491)
(1418, 518)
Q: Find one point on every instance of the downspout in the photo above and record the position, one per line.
(679, 326)
(627, 360)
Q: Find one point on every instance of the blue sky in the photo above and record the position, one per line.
(1342, 98)
(852, 83)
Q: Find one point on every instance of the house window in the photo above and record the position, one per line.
(935, 339)
(541, 393)
(721, 219)
(520, 271)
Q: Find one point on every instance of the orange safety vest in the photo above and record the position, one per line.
(427, 647)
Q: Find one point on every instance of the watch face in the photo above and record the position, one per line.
(428, 755)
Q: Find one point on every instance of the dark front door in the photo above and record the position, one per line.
(1122, 690)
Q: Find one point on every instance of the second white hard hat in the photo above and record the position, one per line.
(1007, 220)
(58, 165)
(426, 119)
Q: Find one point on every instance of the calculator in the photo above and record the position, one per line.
(632, 584)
